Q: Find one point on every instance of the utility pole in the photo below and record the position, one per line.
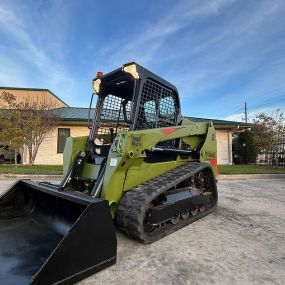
(245, 112)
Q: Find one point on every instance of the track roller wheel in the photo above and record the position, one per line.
(175, 220)
(185, 215)
(194, 211)
(202, 208)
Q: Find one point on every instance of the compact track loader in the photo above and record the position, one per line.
(142, 167)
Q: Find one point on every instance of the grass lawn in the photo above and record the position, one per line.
(25, 169)
(57, 169)
(250, 169)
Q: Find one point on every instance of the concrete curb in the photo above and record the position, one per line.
(250, 176)
(220, 177)
(29, 176)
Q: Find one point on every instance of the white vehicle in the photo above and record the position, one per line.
(7, 155)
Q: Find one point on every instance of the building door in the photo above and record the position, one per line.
(223, 147)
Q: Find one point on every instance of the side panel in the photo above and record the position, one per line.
(72, 146)
(209, 149)
(138, 174)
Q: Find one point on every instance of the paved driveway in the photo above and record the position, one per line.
(241, 243)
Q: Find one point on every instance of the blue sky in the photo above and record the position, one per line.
(219, 53)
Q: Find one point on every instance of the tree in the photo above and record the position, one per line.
(11, 133)
(244, 148)
(269, 134)
(26, 123)
(269, 131)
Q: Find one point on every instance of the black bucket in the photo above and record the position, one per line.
(53, 237)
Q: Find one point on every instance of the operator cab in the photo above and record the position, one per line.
(131, 98)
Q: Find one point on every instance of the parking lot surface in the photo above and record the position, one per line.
(242, 242)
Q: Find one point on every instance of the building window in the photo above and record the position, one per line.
(63, 134)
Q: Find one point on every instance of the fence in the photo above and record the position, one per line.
(271, 158)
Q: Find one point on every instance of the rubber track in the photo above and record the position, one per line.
(134, 204)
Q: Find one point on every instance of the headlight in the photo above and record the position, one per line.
(132, 69)
(96, 85)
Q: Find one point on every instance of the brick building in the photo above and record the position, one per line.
(74, 121)
(43, 96)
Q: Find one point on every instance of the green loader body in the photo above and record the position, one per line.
(126, 167)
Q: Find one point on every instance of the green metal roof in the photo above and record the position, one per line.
(32, 89)
(218, 122)
(73, 114)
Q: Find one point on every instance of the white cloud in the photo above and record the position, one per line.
(200, 46)
(143, 46)
(27, 53)
(205, 60)
(231, 48)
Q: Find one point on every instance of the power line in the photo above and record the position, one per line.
(271, 105)
(272, 100)
(269, 101)
(245, 109)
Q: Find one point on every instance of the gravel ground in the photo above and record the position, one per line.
(241, 243)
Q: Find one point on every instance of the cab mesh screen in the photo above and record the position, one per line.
(113, 118)
(158, 107)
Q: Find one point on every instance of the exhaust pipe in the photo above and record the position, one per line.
(53, 237)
